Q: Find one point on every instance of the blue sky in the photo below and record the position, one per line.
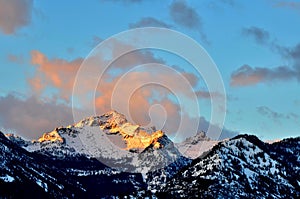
(253, 43)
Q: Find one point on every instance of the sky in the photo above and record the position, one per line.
(254, 44)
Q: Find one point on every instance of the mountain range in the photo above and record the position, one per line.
(108, 157)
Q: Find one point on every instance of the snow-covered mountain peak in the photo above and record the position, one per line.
(122, 133)
(195, 146)
(90, 121)
(113, 119)
(113, 140)
(108, 120)
(200, 136)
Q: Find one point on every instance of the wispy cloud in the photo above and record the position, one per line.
(201, 94)
(247, 75)
(263, 37)
(218, 5)
(260, 35)
(15, 58)
(276, 116)
(149, 22)
(124, 1)
(294, 5)
(229, 2)
(204, 125)
(95, 41)
(296, 102)
(186, 16)
(14, 14)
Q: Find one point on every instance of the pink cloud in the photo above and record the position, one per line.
(57, 73)
(127, 89)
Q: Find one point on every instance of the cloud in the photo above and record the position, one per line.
(136, 58)
(139, 103)
(296, 102)
(186, 16)
(218, 5)
(70, 50)
(14, 14)
(31, 117)
(140, 100)
(57, 73)
(15, 58)
(266, 111)
(294, 5)
(260, 35)
(247, 75)
(60, 74)
(208, 95)
(291, 53)
(225, 133)
(203, 126)
(95, 41)
(149, 22)
(124, 1)
(229, 2)
(276, 116)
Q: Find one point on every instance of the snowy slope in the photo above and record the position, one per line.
(196, 146)
(33, 175)
(242, 167)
